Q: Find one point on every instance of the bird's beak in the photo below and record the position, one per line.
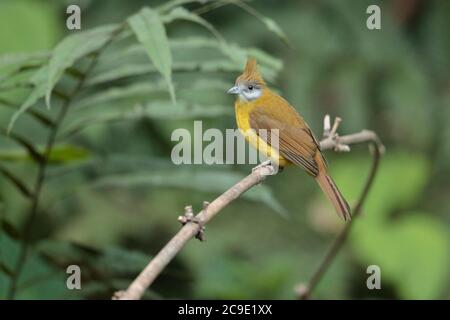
(234, 90)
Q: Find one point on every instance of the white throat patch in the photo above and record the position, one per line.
(250, 95)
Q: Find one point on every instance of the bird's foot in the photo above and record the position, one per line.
(273, 169)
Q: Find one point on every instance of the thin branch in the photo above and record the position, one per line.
(194, 225)
(303, 291)
(23, 253)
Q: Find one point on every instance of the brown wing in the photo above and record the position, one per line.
(296, 141)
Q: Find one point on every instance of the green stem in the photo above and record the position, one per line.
(25, 245)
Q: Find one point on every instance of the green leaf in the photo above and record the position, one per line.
(233, 52)
(17, 64)
(176, 3)
(118, 261)
(207, 84)
(28, 146)
(163, 110)
(135, 69)
(270, 24)
(16, 182)
(150, 31)
(6, 270)
(155, 110)
(119, 72)
(275, 28)
(38, 80)
(73, 48)
(62, 251)
(60, 154)
(43, 119)
(97, 264)
(68, 153)
(181, 13)
(140, 89)
(9, 229)
(19, 60)
(235, 55)
(210, 181)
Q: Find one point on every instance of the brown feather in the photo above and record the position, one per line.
(251, 73)
(296, 142)
(332, 192)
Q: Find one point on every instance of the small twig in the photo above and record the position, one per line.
(190, 230)
(337, 122)
(326, 126)
(331, 136)
(189, 217)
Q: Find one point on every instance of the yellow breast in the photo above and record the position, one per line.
(242, 110)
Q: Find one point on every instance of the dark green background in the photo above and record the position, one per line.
(394, 81)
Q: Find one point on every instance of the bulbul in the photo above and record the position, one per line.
(257, 107)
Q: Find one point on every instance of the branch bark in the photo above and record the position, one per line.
(193, 226)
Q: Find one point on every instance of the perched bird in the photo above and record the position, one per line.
(257, 107)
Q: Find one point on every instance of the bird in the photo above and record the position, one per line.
(259, 109)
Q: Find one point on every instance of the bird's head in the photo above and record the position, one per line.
(250, 84)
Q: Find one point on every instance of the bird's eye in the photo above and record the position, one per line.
(250, 87)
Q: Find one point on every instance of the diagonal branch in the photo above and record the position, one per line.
(194, 225)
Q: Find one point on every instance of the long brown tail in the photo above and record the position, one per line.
(330, 189)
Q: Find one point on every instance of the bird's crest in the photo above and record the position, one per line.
(251, 72)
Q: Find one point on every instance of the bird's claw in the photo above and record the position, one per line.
(273, 169)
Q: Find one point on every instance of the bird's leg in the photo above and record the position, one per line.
(268, 163)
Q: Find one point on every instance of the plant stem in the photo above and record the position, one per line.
(25, 245)
(304, 292)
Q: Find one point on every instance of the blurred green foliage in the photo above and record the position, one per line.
(401, 247)
(111, 196)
